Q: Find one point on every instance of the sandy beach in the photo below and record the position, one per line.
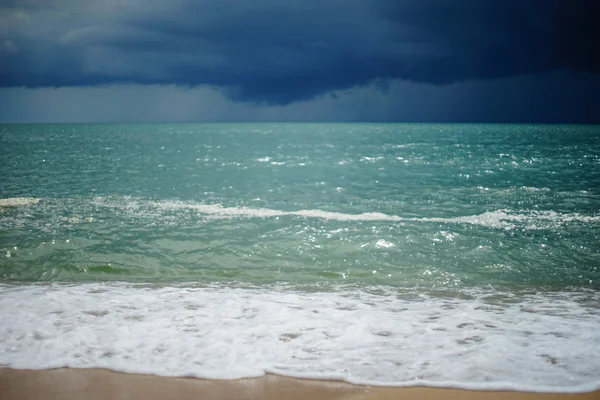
(92, 384)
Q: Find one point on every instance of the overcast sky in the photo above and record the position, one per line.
(299, 60)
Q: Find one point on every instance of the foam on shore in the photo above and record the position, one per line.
(472, 339)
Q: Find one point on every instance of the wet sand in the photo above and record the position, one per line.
(98, 384)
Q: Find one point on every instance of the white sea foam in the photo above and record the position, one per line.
(498, 219)
(18, 201)
(506, 219)
(383, 244)
(539, 342)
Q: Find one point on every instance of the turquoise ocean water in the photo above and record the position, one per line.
(450, 254)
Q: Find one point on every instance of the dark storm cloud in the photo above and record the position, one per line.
(283, 51)
(485, 39)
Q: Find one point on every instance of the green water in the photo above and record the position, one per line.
(435, 206)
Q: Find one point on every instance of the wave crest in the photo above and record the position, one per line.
(18, 201)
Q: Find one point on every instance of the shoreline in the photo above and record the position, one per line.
(102, 384)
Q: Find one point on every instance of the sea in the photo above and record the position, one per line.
(454, 255)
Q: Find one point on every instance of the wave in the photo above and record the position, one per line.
(18, 201)
(503, 218)
(473, 339)
(154, 210)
